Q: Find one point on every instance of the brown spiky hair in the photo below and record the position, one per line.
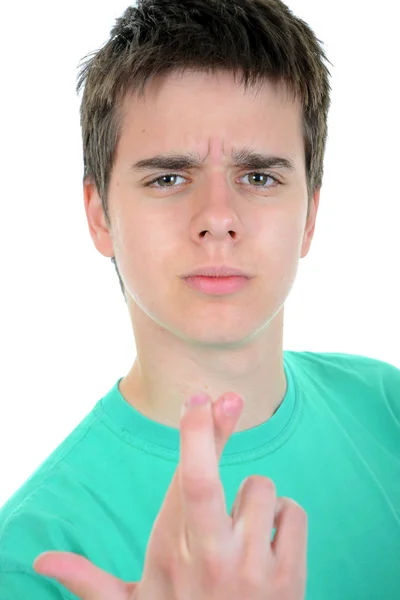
(257, 40)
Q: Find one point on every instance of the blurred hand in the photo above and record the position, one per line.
(197, 551)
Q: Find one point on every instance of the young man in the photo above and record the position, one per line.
(204, 127)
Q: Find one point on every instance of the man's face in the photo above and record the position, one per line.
(216, 214)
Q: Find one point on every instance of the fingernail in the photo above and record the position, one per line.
(196, 400)
(230, 406)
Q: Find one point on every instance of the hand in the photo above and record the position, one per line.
(197, 551)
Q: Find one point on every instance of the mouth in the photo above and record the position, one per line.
(217, 271)
(217, 285)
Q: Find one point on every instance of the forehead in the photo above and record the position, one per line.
(211, 113)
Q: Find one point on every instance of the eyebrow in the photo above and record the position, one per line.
(244, 158)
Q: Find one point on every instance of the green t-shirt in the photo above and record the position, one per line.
(333, 445)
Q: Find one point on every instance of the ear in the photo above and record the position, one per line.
(310, 225)
(99, 231)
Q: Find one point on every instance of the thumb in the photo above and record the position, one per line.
(82, 577)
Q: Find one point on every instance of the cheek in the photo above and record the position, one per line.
(144, 260)
(281, 254)
(282, 235)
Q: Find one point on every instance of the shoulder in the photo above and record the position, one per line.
(371, 378)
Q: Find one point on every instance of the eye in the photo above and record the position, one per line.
(164, 179)
(169, 179)
(259, 179)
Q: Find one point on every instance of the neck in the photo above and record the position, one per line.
(169, 369)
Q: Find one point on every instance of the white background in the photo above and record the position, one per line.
(65, 334)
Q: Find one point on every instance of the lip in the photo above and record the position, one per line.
(217, 271)
(217, 286)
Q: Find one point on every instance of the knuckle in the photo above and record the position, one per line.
(212, 568)
(288, 579)
(296, 511)
(251, 582)
(259, 483)
(171, 565)
(199, 487)
(283, 582)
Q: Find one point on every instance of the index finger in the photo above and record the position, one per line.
(202, 495)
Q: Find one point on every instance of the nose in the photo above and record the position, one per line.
(217, 219)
